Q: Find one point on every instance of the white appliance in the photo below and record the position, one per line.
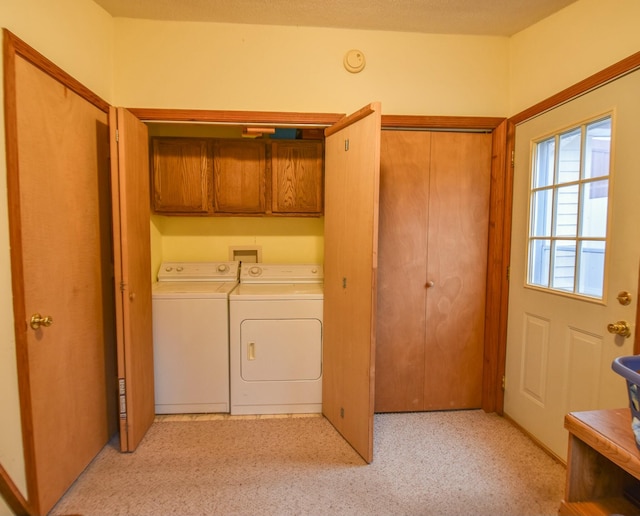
(191, 336)
(275, 317)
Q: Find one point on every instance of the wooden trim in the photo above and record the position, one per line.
(440, 122)
(505, 243)
(235, 117)
(496, 275)
(596, 80)
(11, 494)
(352, 118)
(17, 272)
(19, 47)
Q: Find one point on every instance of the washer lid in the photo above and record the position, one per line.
(281, 273)
(198, 271)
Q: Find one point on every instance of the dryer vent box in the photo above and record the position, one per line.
(245, 254)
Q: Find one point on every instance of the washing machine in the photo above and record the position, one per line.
(190, 303)
(275, 317)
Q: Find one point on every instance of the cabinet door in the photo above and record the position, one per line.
(239, 175)
(181, 176)
(296, 168)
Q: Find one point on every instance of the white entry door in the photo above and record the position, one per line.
(559, 350)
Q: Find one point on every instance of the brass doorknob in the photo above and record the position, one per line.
(619, 328)
(37, 320)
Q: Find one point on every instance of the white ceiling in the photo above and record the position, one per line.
(477, 17)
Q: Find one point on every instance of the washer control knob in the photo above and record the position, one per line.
(314, 271)
(255, 271)
(223, 267)
(179, 269)
(168, 268)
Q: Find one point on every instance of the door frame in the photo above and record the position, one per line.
(499, 224)
(609, 74)
(14, 47)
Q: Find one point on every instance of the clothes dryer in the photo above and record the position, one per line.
(275, 317)
(190, 304)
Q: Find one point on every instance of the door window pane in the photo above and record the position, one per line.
(564, 264)
(566, 220)
(569, 156)
(541, 213)
(594, 209)
(597, 149)
(539, 260)
(544, 167)
(592, 263)
(569, 203)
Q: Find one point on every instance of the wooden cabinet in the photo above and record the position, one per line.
(181, 178)
(603, 462)
(238, 177)
(297, 177)
(432, 269)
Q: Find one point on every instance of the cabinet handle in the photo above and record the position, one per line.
(429, 284)
(251, 351)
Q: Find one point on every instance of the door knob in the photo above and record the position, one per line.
(619, 328)
(37, 320)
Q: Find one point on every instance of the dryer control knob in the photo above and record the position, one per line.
(223, 267)
(255, 271)
(179, 268)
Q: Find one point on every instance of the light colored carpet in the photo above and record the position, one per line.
(431, 463)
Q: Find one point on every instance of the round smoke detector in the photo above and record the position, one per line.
(354, 61)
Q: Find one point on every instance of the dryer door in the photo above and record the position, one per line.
(281, 350)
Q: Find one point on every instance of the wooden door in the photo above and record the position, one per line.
(433, 267)
(59, 218)
(131, 215)
(352, 168)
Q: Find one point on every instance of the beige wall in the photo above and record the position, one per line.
(222, 66)
(577, 42)
(218, 66)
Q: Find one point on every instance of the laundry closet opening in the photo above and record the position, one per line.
(245, 200)
(198, 226)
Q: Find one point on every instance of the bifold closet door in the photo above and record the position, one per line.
(434, 214)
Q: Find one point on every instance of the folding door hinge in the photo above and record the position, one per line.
(122, 396)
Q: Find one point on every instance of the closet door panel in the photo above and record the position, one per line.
(457, 264)
(402, 257)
